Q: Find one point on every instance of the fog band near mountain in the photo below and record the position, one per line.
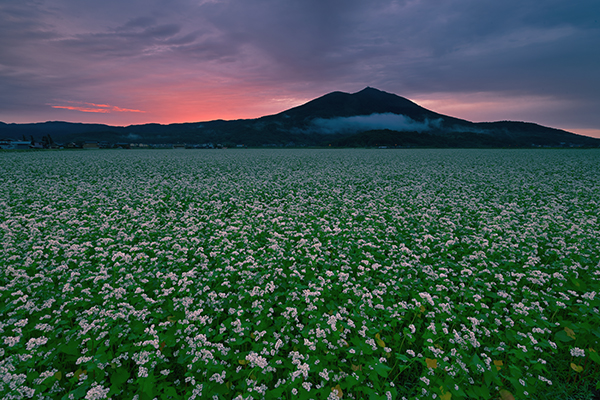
(360, 123)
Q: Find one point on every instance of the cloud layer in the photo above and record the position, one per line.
(191, 60)
(374, 121)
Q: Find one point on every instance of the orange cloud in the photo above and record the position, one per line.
(95, 108)
(94, 105)
(82, 109)
(119, 109)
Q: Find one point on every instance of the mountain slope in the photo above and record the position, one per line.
(367, 101)
(335, 118)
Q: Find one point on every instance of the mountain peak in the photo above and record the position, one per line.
(370, 89)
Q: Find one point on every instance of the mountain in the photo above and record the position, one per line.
(366, 102)
(370, 117)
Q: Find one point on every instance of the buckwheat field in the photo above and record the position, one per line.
(280, 274)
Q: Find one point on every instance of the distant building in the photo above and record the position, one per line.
(90, 145)
(8, 144)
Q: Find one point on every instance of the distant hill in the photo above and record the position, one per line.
(370, 117)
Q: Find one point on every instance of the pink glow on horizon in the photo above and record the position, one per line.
(595, 133)
(167, 105)
(479, 107)
(207, 105)
(490, 107)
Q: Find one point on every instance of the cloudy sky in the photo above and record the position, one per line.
(124, 62)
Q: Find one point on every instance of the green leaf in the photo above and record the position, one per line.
(219, 389)
(482, 391)
(71, 348)
(148, 387)
(119, 377)
(515, 371)
(578, 284)
(594, 356)
(471, 394)
(114, 390)
(519, 389)
(510, 335)
(374, 396)
(81, 391)
(563, 336)
(365, 390)
(475, 360)
(488, 376)
(381, 369)
(303, 394)
(275, 393)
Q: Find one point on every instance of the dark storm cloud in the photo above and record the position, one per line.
(304, 39)
(544, 49)
(123, 43)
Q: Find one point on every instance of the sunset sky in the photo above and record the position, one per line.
(123, 62)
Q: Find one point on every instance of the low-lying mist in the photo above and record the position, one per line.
(360, 123)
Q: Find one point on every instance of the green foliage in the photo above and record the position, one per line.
(300, 274)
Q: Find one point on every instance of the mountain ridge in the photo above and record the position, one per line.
(327, 120)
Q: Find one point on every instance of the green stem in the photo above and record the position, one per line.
(404, 336)
(553, 315)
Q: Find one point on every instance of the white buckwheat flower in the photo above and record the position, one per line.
(577, 352)
(97, 392)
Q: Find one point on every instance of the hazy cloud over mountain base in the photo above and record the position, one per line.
(359, 123)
